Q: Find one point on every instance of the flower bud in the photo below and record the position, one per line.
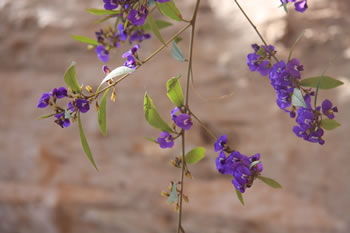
(88, 88)
(164, 194)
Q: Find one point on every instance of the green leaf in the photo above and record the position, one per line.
(102, 11)
(326, 82)
(298, 99)
(121, 70)
(176, 53)
(295, 43)
(270, 182)
(46, 116)
(261, 51)
(84, 142)
(154, 28)
(254, 163)
(174, 91)
(151, 140)
(330, 124)
(160, 24)
(152, 116)
(85, 39)
(195, 155)
(104, 18)
(70, 78)
(284, 4)
(178, 39)
(173, 195)
(67, 115)
(102, 116)
(239, 196)
(170, 10)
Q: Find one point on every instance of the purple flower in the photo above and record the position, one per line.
(102, 53)
(106, 69)
(61, 121)
(132, 51)
(301, 6)
(294, 68)
(252, 61)
(139, 36)
(130, 62)
(328, 109)
(82, 105)
(59, 93)
(44, 100)
(165, 140)
(122, 32)
(110, 4)
(183, 120)
(137, 17)
(258, 167)
(220, 143)
(161, 1)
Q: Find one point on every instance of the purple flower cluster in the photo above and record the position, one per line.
(300, 5)
(130, 56)
(237, 165)
(63, 115)
(285, 78)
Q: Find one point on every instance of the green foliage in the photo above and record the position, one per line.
(151, 140)
(102, 11)
(121, 70)
(85, 39)
(326, 82)
(102, 116)
(173, 195)
(298, 99)
(151, 22)
(70, 78)
(174, 91)
(84, 142)
(176, 52)
(270, 182)
(170, 10)
(160, 24)
(152, 115)
(239, 196)
(195, 155)
(330, 124)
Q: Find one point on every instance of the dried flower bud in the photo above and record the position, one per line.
(88, 88)
(186, 198)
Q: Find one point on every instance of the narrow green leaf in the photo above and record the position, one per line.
(325, 83)
(170, 10)
(295, 43)
(104, 18)
(254, 163)
(173, 195)
(195, 155)
(102, 11)
(160, 24)
(84, 39)
(298, 99)
(152, 116)
(84, 142)
(284, 4)
(178, 39)
(174, 91)
(330, 124)
(102, 116)
(239, 196)
(154, 28)
(46, 116)
(70, 78)
(151, 140)
(270, 182)
(176, 52)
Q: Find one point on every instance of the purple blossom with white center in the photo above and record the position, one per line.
(258, 167)
(328, 109)
(220, 143)
(223, 164)
(102, 53)
(183, 120)
(294, 68)
(139, 35)
(110, 4)
(130, 62)
(44, 100)
(165, 140)
(82, 105)
(61, 121)
(106, 69)
(300, 6)
(59, 93)
(132, 51)
(161, 1)
(137, 17)
(258, 62)
(122, 32)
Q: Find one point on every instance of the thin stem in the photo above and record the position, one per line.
(146, 60)
(193, 23)
(256, 30)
